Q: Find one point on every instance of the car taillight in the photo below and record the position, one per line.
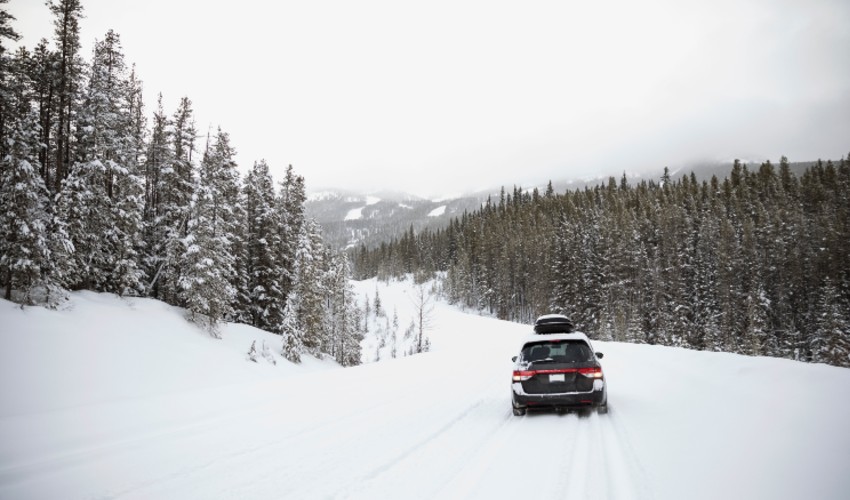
(522, 376)
(595, 372)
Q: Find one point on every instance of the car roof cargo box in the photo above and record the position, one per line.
(553, 323)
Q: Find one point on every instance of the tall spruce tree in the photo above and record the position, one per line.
(343, 318)
(7, 79)
(102, 198)
(175, 195)
(308, 286)
(159, 165)
(24, 218)
(208, 264)
(69, 71)
(292, 342)
(265, 296)
(290, 206)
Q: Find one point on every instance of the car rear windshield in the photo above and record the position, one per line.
(563, 351)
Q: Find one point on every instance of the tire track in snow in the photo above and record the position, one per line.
(627, 477)
(437, 442)
(302, 433)
(603, 463)
(464, 481)
(573, 480)
(256, 465)
(597, 461)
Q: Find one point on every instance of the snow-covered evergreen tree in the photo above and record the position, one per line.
(158, 166)
(267, 354)
(101, 200)
(11, 81)
(342, 320)
(177, 190)
(379, 310)
(208, 264)
(290, 206)
(25, 256)
(308, 285)
(830, 341)
(67, 67)
(265, 288)
(291, 332)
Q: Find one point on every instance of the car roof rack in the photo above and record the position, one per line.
(553, 323)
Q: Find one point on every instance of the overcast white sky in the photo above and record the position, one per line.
(436, 97)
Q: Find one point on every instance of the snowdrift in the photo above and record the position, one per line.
(100, 348)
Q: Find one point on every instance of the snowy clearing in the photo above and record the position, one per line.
(121, 398)
(437, 211)
(354, 214)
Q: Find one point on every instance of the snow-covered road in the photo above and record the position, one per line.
(682, 424)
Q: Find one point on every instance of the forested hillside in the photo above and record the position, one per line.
(97, 196)
(349, 219)
(755, 263)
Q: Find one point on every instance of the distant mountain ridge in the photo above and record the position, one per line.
(350, 218)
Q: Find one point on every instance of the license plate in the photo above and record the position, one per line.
(556, 377)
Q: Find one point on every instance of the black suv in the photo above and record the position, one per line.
(557, 368)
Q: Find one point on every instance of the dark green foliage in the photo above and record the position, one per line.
(736, 265)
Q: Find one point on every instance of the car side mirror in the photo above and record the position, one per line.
(599, 355)
(514, 359)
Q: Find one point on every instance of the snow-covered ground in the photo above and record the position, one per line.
(115, 398)
(357, 213)
(354, 214)
(437, 212)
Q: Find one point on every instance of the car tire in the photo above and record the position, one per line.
(518, 412)
(602, 409)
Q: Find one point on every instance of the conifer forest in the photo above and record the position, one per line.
(756, 263)
(97, 193)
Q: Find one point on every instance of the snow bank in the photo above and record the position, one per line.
(102, 348)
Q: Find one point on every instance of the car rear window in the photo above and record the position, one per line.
(564, 351)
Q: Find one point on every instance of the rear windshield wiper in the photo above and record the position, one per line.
(544, 360)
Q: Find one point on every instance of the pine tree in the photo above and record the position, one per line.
(394, 336)
(24, 219)
(176, 192)
(291, 332)
(159, 163)
(7, 81)
(69, 70)
(252, 352)
(42, 73)
(342, 318)
(310, 268)
(265, 290)
(830, 341)
(208, 264)
(290, 205)
(101, 200)
(267, 354)
(378, 308)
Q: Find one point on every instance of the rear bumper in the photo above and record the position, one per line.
(596, 397)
